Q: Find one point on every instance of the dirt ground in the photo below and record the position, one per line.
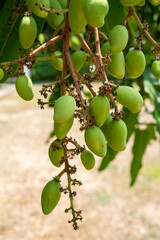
(111, 210)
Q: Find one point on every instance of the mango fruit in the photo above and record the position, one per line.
(105, 125)
(155, 68)
(95, 12)
(116, 135)
(87, 159)
(129, 98)
(95, 141)
(1, 74)
(27, 31)
(118, 38)
(61, 129)
(57, 62)
(24, 87)
(135, 63)
(77, 19)
(50, 196)
(64, 108)
(141, 3)
(36, 10)
(55, 156)
(129, 2)
(99, 108)
(78, 59)
(53, 19)
(154, 2)
(74, 41)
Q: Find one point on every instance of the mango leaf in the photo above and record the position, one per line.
(131, 120)
(115, 15)
(142, 139)
(153, 95)
(9, 32)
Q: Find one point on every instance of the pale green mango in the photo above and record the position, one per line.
(118, 38)
(53, 19)
(87, 159)
(57, 62)
(77, 18)
(99, 108)
(24, 87)
(129, 98)
(50, 196)
(61, 129)
(95, 12)
(36, 10)
(105, 125)
(95, 141)
(74, 41)
(135, 63)
(155, 68)
(141, 3)
(154, 2)
(78, 59)
(116, 133)
(64, 108)
(27, 31)
(1, 74)
(55, 156)
(129, 2)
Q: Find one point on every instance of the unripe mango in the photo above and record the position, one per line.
(57, 62)
(63, 3)
(141, 3)
(154, 2)
(74, 41)
(1, 74)
(87, 159)
(61, 129)
(24, 87)
(50, 196)
(95, 12)
(95, 141)
(135, 63)
(118, 38)
(155, 68)
(105, 125)
(77, 19)
(117, 135)
(36, 10)
(129, 2)
(99, 109)
(129, 98)
(55, 156)
(78, 59)
(27, 31)
(64, 109)
(53, 19)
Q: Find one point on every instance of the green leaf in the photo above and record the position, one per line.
(108, 158)
(142, 139)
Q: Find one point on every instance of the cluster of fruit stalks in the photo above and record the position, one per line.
(100, 126)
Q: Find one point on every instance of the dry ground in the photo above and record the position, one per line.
(111, 210)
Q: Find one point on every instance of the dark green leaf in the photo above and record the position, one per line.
(108, 158)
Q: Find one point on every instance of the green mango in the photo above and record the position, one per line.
(129, 2)
(27, 31)
(99, 108)
(57, 62)
(53, 19)
(64, 108)
(1, 74)
(105, 125)
(74, 41)
(55, 156)
(24, 87)
(63, 3)
(118, 38)
(129, 98)
(87, 159)
(78, 59)
(95, 141)
(154, 2)
(36, 10)
(141, 3)
(135, 63)
(76, 14)
(116, 134)
(41, 38)
(95, 12)
(50, 196)
(155, 68)
(61, 129)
